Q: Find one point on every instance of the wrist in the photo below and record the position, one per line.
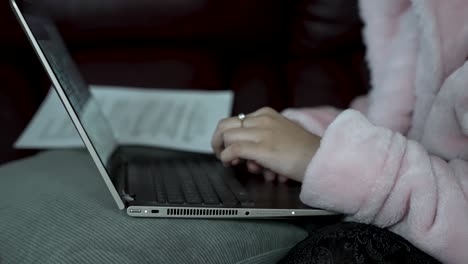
(307, 155)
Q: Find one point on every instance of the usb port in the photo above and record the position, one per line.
(135, 211)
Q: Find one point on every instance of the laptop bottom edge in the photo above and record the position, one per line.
(221, 213)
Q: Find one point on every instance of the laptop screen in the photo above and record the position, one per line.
(74, 86)
(72, 89)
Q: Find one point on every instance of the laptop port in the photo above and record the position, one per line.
(155, 211)
(135, 211)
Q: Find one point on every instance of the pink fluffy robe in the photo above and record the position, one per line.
(399, 158)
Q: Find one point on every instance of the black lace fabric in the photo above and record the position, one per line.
(355, 243)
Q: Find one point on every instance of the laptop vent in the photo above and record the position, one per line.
(196, 212)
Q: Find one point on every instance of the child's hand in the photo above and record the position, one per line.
(266, 139)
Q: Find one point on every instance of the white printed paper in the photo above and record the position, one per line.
(183, 120)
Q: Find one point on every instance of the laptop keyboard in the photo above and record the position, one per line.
(189, 182)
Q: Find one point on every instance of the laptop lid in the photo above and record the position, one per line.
(71, 88)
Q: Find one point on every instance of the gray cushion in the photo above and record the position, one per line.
(55, 208)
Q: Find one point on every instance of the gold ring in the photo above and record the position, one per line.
(241, 118)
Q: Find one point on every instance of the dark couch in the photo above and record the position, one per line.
(276, 53)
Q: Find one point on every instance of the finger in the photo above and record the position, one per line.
(261, 118)
(269, 175)
(260, 121)
(282, 178)
(243, 150)
(223, 125)
(235, 162)
(253, 167)
(234, 135)
(264, 111)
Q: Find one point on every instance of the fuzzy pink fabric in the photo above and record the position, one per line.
(400, 160)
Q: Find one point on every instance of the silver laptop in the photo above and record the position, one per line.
(154, 182)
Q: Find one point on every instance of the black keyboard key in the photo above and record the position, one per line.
(239, 191)
(171, 180)
(158, 183)
(203, 184)
(194, 182)
(223, 191)
(235, 186)
(188, 185)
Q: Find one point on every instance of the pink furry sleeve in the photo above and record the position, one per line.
(317, 119)
(374, 175)
(461, 97)
(392, 39)
(314, 120)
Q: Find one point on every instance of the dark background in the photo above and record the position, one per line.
(276, 53)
